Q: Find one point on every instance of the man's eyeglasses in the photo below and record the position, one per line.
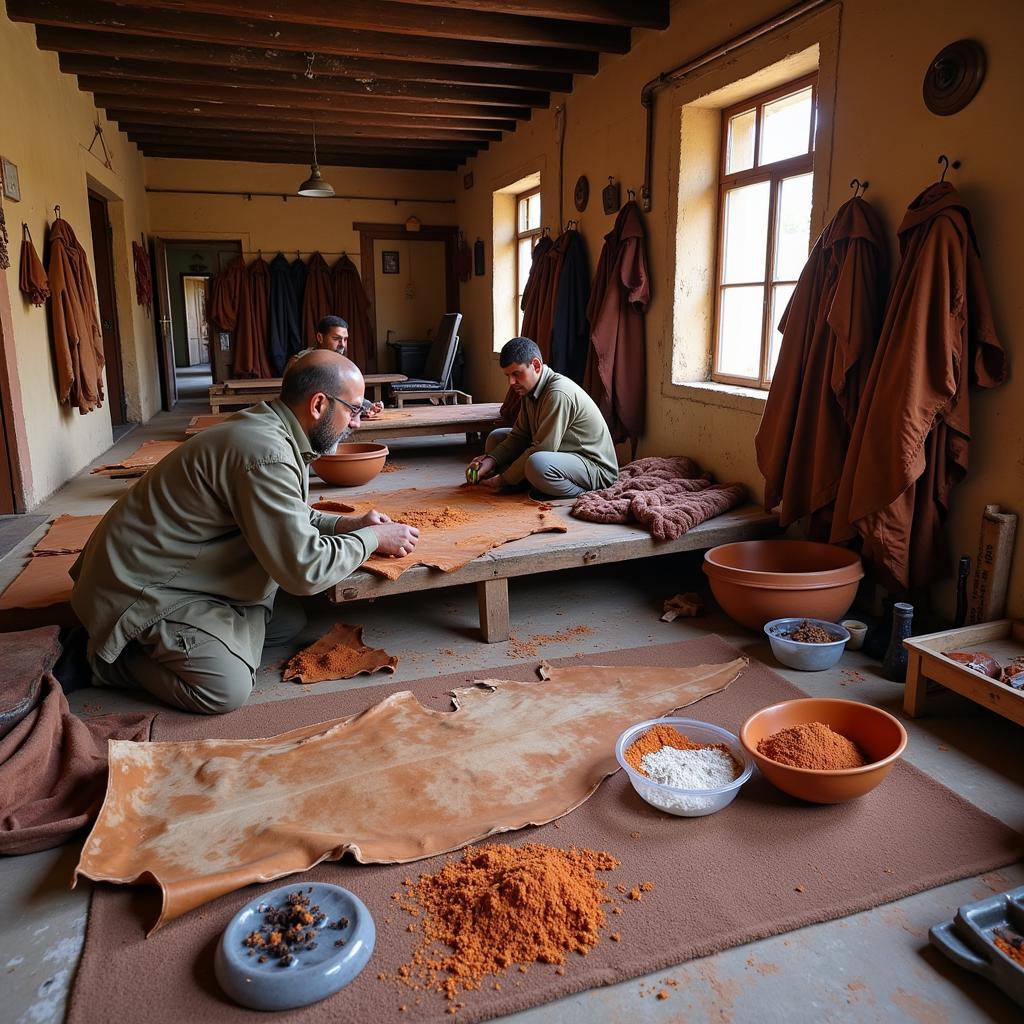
(356, 410)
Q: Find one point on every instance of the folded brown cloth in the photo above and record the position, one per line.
(667, 495)
(53, 765)
(32, 279)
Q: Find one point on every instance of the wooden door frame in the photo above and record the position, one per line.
(182, 274)
(15, 465)
(114, 366)
(369, 233)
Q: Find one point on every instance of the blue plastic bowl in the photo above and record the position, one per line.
(803, 656)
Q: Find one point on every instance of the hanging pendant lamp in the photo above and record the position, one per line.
(315, 186)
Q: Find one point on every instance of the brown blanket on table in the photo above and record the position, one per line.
(53, 765)
(667, 495)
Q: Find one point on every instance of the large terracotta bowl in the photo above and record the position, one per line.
(356, 462)
(756, 581)
(876, 732)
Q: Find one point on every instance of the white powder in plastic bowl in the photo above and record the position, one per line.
(704, 768)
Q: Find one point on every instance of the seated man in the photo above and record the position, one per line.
(332, 335)
(177, 585)
(560, 442)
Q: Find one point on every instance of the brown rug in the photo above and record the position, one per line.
(766, 864)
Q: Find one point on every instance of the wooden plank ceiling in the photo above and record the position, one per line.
(390, 83)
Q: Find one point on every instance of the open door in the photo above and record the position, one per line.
(164, 337)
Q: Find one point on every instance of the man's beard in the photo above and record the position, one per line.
(323, 440)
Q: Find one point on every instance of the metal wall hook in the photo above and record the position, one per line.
(944, 160)
(630, 195)
(56, 211)
(858, 186)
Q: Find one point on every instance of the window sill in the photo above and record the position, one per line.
(724, 396)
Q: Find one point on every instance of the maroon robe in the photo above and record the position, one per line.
(318, 300)
(909, 445)
(351, 304)
(253, 359)
(616, 374)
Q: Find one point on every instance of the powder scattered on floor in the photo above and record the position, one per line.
(704, 768)
(812, 745)
(500, 906)
(663, 736)
(530, 648)
(392, 467)
(434, 518)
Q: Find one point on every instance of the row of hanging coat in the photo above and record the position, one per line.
(273, 310)
(867, 427)
(593, 332)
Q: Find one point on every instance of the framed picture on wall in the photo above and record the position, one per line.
(9, 175)
(389, 261)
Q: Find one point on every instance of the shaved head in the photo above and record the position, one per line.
(313, 386)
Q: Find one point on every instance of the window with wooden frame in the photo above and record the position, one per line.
(764, 226)
(528, 232)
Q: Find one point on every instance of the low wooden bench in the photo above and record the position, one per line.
(584, 544)
(434, 397)
(240, 392)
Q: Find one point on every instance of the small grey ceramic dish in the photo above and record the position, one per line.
(313, 974)
(968, 940)
(804, 656)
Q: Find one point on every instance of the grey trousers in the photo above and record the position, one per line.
(558, 474)
(189, 669)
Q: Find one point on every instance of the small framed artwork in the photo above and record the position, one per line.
(389, 261)
(9, 174)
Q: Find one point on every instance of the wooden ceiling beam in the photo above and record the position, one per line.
(139, 72)
(407, 162)
(227, 102)
(175, 51)
(167, 112)
(635, 14)
(440, 22)
(205, 28)
(325, 134)
(302, 148)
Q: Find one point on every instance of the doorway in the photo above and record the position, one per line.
(103, 256)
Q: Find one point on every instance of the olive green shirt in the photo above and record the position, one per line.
(208, 535)
(558, 416)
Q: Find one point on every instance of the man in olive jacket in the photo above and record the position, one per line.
(176, 587)
(560, 443)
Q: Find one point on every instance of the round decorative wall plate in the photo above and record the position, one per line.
(581, 194)
(954, 77)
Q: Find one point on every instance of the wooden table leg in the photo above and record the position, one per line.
(492, 596)
(915, 692)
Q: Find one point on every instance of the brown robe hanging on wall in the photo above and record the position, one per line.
(32, 280)
(616, 374)
(350, 303)
(318, 301)
(230, 309)
(253, 359)
(830, 328)
(77, 341)
(910, 440)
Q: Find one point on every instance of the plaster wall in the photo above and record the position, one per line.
(874, 125)
(46, 126)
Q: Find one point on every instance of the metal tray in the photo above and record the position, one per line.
(968, 940)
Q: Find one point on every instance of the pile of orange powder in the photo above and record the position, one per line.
(435, 518)
(813, 745)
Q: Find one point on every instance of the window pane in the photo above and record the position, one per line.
(786, 126)
(521, 215)
(746, 233)
(793, 227)
(781, 295)
(739, 332)
(739, 150)
(533, 217)
(525, 259)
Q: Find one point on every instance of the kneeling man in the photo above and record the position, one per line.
(177, 585)
(560, 443)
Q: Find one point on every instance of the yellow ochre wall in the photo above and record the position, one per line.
(873, 54)
(46, 125)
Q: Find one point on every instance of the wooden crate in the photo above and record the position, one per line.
(1003, 639)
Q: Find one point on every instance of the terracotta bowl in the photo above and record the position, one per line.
(355, 463)
(756, 581)
(875, 731)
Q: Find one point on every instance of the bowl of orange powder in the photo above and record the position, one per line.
(824, 750)
(683, 766)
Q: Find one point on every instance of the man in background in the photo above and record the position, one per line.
(332, 335)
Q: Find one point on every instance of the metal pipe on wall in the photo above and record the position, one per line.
(286, 196)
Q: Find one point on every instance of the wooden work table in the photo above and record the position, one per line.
(240, 392)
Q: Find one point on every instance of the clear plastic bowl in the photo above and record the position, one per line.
(686, 803)
(803, 656)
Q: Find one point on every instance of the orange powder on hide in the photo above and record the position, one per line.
(340, 662)
(664, 736)
(435, 518)
(812, 745)
(499, 906)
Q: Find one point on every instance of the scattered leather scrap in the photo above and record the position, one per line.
(339, 654)
(688, 604)
(40, 595)
(67, 535)
(147, 455)
(457, 524)
(413, 782)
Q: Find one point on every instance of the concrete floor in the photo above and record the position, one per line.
(872, 967)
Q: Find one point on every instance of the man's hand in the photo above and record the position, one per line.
(371, 518)
(485, 468)
(395, 538)
(493, 483)
(373, 411)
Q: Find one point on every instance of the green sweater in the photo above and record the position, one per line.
(208, 535)
(558, 416)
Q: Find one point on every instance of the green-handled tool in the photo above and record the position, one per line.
(472, 474)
